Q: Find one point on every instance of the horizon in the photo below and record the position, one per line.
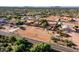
(40, 6)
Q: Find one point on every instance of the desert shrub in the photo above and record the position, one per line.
(55, 39)
(64, 34)
(69, 43)
(23, 28)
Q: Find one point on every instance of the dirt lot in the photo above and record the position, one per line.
(35, 33)
(55, 18)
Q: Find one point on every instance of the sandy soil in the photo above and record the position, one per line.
(55, 18)
(52, 18)
(35, 33)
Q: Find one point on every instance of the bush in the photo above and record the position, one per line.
(9, 48)
(76, 27)
(55, 39)
(21, 41)
(23, 28)
(69, 43)
(40, 47)
(12, 39)
(43, 23)
(13, 44)
(20, 48)
(64, 34)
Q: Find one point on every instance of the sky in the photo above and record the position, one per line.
(37, 3)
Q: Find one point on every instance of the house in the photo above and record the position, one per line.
(67, 28)
(3, 21)
(73, 20)
(24, 18)
(37, 17)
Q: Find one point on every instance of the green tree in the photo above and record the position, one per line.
(40, 47)
(22, 45)
(9, 48)
(21, 41)
(20, 48)
(12, 39)
(44, 23)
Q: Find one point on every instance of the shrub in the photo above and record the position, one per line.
(64, 34)
(69, 43)
(23, 28)
(20, 48)
(55, 39)
(40, 47)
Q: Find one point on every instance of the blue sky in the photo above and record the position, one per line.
(39, 3)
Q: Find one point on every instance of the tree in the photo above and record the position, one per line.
(55, 39)
(12, 39)
(1, 27)
(9, 17)
(21, 41)
(20, 48)
(0, 36)
(58, 25)
(9, 48)
(20, 22)
(76, 27)
(40, 47)
(13, 43)
(44, 23)
(24, 44)
(69, 43)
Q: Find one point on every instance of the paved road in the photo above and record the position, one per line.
(5, 33)
(63, 48)
(53, 46)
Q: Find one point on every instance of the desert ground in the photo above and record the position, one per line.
(35, 33)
